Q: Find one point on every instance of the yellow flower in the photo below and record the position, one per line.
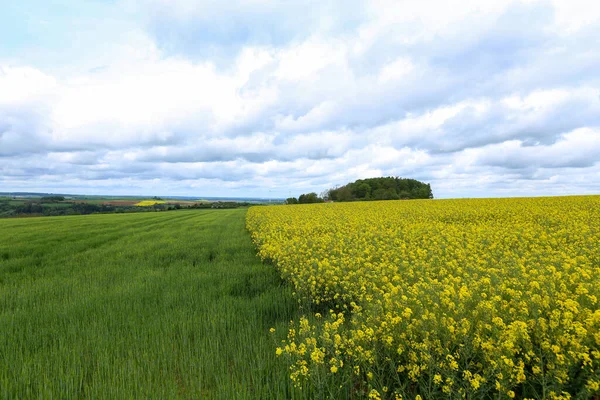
(593, 385)
(408, 280)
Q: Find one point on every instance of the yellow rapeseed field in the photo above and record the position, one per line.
(476, 298)
(148, 203)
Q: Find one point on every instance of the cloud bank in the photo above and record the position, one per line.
(257, 98)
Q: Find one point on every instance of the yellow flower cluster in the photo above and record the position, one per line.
(444, 298)
(149, 203)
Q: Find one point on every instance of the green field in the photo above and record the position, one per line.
(150, 305)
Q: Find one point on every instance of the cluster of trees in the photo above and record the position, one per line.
(307, 198)
(52, 199)
(384, 188)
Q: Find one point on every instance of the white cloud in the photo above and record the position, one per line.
(463, 94)
(576, 149)
(19, 85)
(571, 15)
(396, 70)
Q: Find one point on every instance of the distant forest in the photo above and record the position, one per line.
(384, 188)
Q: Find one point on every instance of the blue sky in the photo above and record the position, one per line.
(264, 98)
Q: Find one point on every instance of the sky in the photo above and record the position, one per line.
(255, 98)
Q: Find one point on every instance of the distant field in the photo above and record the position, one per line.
(148, 203)
(119, 202)
(80, 205)
(148, 305)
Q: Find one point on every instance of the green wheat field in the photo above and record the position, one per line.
(151, 305)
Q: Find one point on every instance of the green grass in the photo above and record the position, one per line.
(150, 305)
